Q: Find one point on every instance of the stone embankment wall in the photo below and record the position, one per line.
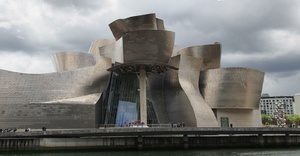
(159, 142)
(151, 138)
(19, 143)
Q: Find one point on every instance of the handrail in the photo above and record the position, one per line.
(136, 125)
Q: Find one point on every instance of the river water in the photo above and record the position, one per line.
(224, 152)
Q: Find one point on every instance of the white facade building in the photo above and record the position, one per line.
(267, 104)
(297, 104)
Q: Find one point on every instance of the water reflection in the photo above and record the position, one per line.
(227, 152)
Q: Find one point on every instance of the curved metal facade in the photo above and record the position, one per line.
(137, 77)
(232, 88)
(183, 99)
(113, 51)
(95, 45)
(135, 23)
(210, 54)
(148, 45)
(54, 100)
(65, 61)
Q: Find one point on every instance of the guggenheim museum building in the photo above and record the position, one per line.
(137, 76)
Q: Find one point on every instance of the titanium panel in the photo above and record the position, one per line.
(232, 88)
(94, 48)
(53, 116)
(156, 93)
(183, 99)
(210, 54)
(148, 45)
(160, 24)
(65, 61)
(144, 22)
(113, 51)
(36, 100)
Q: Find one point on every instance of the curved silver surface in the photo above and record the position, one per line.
(113, 51)
(144, 22)
(210, 54)
(54, 100)
(65, 61)
(143, 45)
(155, 84)
(148, 45)
(95, 45)
(183, 99)
(231, 88)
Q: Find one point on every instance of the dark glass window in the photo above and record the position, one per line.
(122, 102)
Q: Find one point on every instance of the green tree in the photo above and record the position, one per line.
(292, 119)
(267, 119)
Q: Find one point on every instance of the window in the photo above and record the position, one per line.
(224, 122)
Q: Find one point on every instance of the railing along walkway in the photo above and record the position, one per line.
(135, 131)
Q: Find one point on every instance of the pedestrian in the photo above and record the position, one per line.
(178, 124)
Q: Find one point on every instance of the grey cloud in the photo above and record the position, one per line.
(12, 40)
(248, 32)
(287, 63)
(240, 25)
(80, 4)
(82, 7)
(67, 38)
(79, 37)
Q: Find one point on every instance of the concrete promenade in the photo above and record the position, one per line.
(150, 138)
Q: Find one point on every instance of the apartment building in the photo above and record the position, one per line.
(268, 104)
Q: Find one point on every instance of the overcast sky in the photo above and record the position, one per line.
(260, 34)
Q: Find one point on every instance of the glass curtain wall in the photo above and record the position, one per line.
(120, 103)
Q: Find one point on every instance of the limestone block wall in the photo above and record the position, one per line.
(240, 117)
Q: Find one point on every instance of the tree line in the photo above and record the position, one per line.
(291, 120)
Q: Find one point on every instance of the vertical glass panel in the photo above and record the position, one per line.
(121, 101)
(127, 113)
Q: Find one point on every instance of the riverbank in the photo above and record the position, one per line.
(151, 138)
